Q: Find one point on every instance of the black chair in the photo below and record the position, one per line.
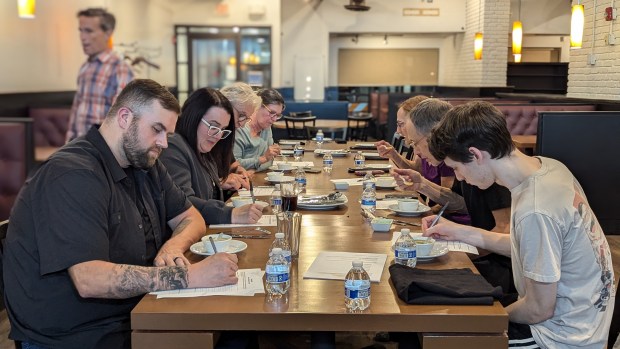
(296, 127)
(357, 127)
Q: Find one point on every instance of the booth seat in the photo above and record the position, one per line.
(333, 110)
(50, 125)
(522, 119)
(16, 159)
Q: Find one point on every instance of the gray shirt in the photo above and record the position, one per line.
(249, 149)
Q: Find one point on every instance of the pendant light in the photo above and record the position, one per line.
(576, 25)
(517, 37)
(478, 36)
(25, 8)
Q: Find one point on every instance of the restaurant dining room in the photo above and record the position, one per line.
(330, 173)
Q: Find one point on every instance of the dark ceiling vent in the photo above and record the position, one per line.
(357, 5)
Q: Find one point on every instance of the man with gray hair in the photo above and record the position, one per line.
(88, 236)
(102, 77)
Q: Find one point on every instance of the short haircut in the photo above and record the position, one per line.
(240, 95)
(411, 103)
(194, 109)
(428, 113)
(271, 96)
(476, 124)
(139, 94)
(108, 22)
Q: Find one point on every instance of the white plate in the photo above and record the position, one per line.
(283, 179)
(421, 209)
(365, 145)
(437, 251)
(339, 152)
(258, 202)
(373, 156)
(287, 152)
(325, 139)
(391, 186)
(275, 168)
(234, 247)
(329, 206)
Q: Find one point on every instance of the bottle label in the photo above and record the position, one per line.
(276, 273)
(359, 162)
(369, 202)
(357, 289)
(328, 162)
(276, 278)
(319, 138)
(298, 152)
(276, 201)
(405, 254)
(300, 180)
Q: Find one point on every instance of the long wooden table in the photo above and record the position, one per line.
(318, 305)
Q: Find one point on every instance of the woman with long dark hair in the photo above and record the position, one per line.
(200, 167)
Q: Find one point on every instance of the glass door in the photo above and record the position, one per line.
(213, 62)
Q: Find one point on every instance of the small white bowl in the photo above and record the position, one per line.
(424, 245)
(381, 224)
(221, 241)
(341, 185)
(239, 201)
(285, 166)
(274, 175)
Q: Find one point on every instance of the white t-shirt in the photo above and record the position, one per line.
(555, 237)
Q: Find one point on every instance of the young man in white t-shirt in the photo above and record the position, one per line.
(561, 260)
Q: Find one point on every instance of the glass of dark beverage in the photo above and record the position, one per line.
(289, 196)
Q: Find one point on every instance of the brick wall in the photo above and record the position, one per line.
(602, 79)
(492, 17)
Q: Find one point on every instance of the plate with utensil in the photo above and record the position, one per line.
(325, 202)
(419, 211)
(235, 246)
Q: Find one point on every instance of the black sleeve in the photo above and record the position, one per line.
(497, 197)
(213, 211)
(456, 187)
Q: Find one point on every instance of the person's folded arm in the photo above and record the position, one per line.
(188, 227)
(537, 305)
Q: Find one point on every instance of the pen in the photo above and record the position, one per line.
(252, 192)
(213, 245)
(443, 209)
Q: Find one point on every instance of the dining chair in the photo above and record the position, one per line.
(357, 127)
(296, 126)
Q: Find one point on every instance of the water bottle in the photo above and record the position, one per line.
(357, 288)
(298, 152)
(328, 162)
(405, 250)
(369, 180)
(319, 138)
(359, 159)
(300, 180)
(277, 274)
(276, 200)
(281, 243)
(369, 199)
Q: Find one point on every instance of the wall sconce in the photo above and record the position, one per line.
(478, 37)
(517, 37)
(25, 8)
(576, 25)
(385, 42)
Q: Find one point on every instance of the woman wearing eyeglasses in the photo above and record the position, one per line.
(197, 165)
(254, 147)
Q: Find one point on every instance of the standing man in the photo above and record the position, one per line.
(88, 236)
(101, 78)
(560, 258)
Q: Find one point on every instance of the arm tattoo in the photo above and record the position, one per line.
(132, 280)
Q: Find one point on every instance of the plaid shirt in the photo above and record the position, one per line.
(100, 80)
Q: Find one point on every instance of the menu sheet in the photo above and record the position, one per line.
(250, 282)
(258, 191)
(330, 265)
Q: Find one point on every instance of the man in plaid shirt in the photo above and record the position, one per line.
(102, 77)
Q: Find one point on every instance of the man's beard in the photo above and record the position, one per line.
(136, 155)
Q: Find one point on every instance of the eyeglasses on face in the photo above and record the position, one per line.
(243, 116)
(272, 113)
(215, 131)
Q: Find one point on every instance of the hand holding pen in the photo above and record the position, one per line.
(443, 209)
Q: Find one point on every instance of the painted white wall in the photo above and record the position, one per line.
(542, 17)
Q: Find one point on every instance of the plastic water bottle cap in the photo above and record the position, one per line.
(279, 235)
(357, 264)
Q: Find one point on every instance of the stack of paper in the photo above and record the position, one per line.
(331, 265)
(250, 282)
(258, 191)
(457, 246)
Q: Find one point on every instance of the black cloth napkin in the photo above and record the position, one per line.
(450, 286)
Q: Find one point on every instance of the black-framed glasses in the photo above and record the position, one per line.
(214, 131)
(273, 113)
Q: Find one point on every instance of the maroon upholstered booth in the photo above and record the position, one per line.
(50, 125)
(16, 159)
(522, 119)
